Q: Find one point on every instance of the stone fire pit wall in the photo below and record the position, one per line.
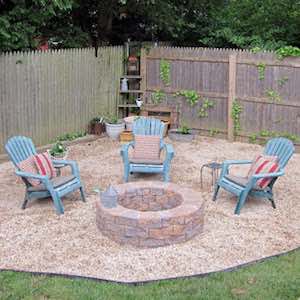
(152, 214)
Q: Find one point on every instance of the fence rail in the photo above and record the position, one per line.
(46, 94)
(268, 89)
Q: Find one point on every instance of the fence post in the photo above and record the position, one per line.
(143, 72)
(231, 95)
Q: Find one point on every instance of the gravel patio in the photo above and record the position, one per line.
(37, 239)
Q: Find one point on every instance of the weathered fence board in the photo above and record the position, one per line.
(46, 94)
(271, 103)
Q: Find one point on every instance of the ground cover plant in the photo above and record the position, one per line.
(277, 278)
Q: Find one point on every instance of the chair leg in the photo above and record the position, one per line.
(25, 201)
(126, 173)
(57, 202)
(166, 177)
(82, 193)
(241, 201)
(217, 187)
(272, 201)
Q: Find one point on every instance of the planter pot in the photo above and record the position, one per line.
(129, 122)
(174, 135)
(61, 156)
(97, 128)
(114, 130)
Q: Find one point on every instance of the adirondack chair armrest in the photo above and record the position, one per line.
(65, 163)
(251, 183)
(169, 151)
(268, 175)
(227, 163)
(237, 162)
(34, 176)
(124, 151)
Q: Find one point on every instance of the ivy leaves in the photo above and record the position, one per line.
(235, 115)
(164, 68)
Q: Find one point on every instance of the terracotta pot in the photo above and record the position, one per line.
(96, 128)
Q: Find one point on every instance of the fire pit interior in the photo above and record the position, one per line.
(150, 199)
(152, 214)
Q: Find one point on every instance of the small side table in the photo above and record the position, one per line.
(215, 168)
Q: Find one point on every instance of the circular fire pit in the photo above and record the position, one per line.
(152, 214)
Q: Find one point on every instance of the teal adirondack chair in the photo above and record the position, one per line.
(20, 148)
(147, 126)
(242, 186)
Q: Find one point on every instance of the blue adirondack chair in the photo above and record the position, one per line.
(147, 126)
(20, 148)
(242, 186)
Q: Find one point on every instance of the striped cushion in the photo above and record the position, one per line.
(146, 147)
(258, 160)
(44, 164)
(28, 166)
(263, 164)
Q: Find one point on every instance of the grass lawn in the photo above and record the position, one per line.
(278, 278)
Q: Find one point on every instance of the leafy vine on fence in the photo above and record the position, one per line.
(287, 51)
(273, 96)
(206, 105)
(191, 96)
(235, 115)
(261, 71)
(158, 96)
(282, 81)
(165, 68)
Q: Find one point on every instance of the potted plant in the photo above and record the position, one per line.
(58, 151)
(114, 126)
(97, 126)
(182, 134)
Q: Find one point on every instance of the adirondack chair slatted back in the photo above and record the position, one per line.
(282, 148)
(148, 126)
(19, 148)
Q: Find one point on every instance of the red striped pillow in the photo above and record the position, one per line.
(261, 165)
(44, 164)
(258, 160)
(28, 166)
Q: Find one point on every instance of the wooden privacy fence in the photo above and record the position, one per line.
(265, 88)
(46, 94)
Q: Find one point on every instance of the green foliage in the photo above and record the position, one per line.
(58, 149)
(282, 81)
(273, 96)
(270, 25)
(184, 129)
(235, 115)
(271, 134)
(98, 119)
(158, 96)
(165, 76)
(253, 138)
(70, 136)
(206, 105)
(112, 119)
(261, 71)
(213, 131)
(287, 51)
(275, 278)
(24, 22)
(191, 96)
